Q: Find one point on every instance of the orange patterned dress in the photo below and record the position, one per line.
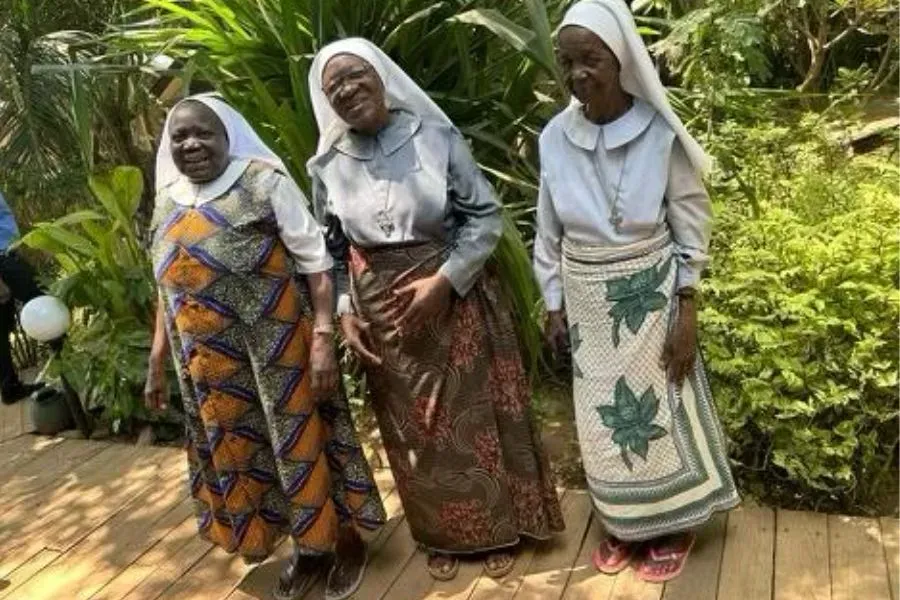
(266, 458)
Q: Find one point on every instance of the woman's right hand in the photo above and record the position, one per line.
(357, 333)
(557, 331)
(156, 388)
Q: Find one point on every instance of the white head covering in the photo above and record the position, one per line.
(612, 21)
(243, 141)
(400, 90)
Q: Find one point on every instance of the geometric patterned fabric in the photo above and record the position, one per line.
(266, 458)
(653, 453)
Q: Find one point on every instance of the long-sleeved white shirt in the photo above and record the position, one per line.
(614, 185)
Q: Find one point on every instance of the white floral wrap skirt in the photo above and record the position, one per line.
(654, 455)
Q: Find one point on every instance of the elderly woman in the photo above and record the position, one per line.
(397, 187)
(246, 305)
(622, 236)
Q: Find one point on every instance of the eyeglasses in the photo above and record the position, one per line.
(339, 82)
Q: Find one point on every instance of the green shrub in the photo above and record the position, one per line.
(106, 279)
(800, 322)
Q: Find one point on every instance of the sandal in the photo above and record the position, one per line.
(499, 564)
(332, 591)
(665, 561)
(302, 573)
(613, 555)
(442, 567)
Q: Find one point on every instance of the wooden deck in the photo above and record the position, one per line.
(83, 519)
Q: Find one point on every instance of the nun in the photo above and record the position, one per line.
(411, 222)
(245, 309)
(623, 225)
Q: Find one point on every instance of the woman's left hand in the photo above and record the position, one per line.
(420, 301)
(680, 348)
(323, 365)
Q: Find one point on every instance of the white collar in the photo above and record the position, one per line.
(584, 133)
(194, 194)
(402, 127)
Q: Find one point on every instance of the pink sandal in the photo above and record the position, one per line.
(612, 555)
(665, 564)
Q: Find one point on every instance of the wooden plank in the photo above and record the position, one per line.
(158, 580)
(629, 587)
(802, 570)
(747, 562)
(109, 549)
(10, 421)
(214, 576)
(858, 568)
(700, 578)
(18, 453)
(100, 495)
(88, 501)
(488, 588)
(53, 467)
(14, 581)
(58, 465)
(145, 565)
(586, 582)
(413, 583)
(552, 564)
(890, 537)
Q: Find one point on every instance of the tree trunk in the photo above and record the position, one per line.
(814, 72)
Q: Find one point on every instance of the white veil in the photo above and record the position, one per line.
(243, 141)
(612, 21)
(400, 90)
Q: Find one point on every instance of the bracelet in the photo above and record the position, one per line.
(323, 329)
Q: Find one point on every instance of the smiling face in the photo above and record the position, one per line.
(199, 142)
(590, 68)
(355, 92)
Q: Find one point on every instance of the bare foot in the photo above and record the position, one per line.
(499, 564)
(442, 567)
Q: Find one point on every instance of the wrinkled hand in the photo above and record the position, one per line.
(680, 348)
(358, 335)
(556, 330)
(156, 388)
(323, 365)
(419, 302)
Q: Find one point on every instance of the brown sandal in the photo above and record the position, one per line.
(438, 571)
(507, 563)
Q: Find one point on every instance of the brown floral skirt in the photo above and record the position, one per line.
(452, 402)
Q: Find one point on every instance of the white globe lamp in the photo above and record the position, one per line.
(45, 319)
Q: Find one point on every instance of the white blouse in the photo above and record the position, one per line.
(614, 185)
(297, 227)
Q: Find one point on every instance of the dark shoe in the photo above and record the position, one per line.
(346, 574)
(19, 391)
(299, 575)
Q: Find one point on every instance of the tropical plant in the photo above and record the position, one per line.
(106, 279)
(50, 81)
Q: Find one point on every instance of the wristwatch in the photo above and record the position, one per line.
(687, 292)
